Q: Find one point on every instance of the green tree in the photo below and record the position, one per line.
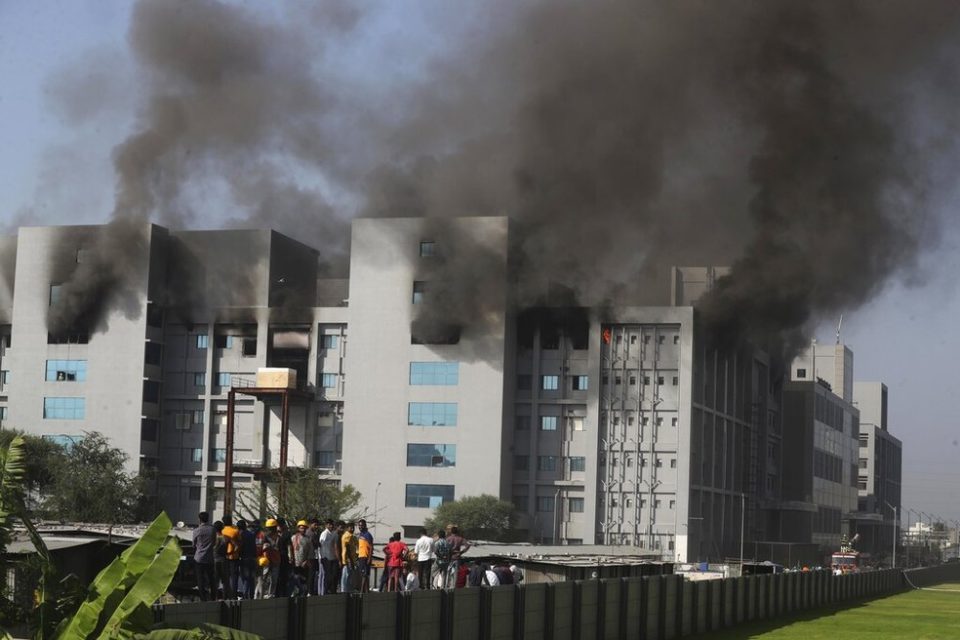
(483, 516)
(41, 458)
(307, 496)
(91, 484)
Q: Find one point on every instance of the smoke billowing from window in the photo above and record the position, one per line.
(789, 140)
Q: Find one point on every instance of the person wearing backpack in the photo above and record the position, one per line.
(443, 553)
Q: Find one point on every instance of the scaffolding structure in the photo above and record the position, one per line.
(286, 395)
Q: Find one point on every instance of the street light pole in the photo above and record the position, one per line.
(376, 496)
(743, 510)
(894, 531)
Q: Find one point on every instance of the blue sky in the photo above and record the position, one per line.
(55, 168)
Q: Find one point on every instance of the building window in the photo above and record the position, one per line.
(427, 248)
(579, 383)
(220, 455)
(432, 414)
(61, 371)
(3, 413)
(659, 379)
(428, 496)
(575, 505)
(646, 379)
(435, 373)
(656, 503)
(325, 459)
(578, 463)
(196, 455)
(521, 463)
(193, 493)
(329, 380)
(329, 342)
(55, 290)
(545, 504)
(661, 339)
(676, 380)
(524, 382)
(199, 379)
(546, 463)
(431, 455)
(633, 381)
(673, 504)
(64, 408)
(548, 423)
(676, 339)
(801, 373)
(521, 423)
(198, 417)
(224, 379)
(202, 340)
(550, 383)
(673, 463)
(5, 376)
(673, 422)
(419, 290)
(575, 423)
(223, 342)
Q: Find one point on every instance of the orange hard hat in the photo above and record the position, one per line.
(263, 561)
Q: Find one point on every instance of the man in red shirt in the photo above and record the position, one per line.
(396, 554)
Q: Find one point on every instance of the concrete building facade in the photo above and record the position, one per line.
(627, 426)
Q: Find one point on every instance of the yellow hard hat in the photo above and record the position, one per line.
(263, 561)
(302, 523)
(271, 522)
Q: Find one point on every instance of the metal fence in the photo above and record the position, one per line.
(652, 607)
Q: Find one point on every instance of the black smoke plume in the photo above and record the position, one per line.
(790, 140)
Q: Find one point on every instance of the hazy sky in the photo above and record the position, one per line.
(55, 167)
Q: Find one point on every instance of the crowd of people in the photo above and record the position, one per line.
(243, 562)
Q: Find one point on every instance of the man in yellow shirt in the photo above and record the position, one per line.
(232, 534)
(348, 557)
(364, 554)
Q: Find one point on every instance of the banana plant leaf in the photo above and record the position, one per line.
(203, 632)
(110, 587)
(133, 614)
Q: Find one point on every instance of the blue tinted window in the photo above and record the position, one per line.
(428, 496)
(578, 463)
(435, 373)
(546, 463)
(550, 383)
(202, 340)
(64, 408)
(432, 414)
(65, 441)
(329, 381)
(548, 423)
(66, 370)
(431, 455)
(223, 379)
(328, 342)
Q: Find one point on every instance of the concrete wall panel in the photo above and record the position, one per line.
(533, 623)
(560, 602)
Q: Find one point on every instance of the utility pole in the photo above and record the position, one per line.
(743, 511)
(894, 530)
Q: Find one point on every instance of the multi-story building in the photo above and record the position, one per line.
(879, 468)
(821, 432)
(423, 383)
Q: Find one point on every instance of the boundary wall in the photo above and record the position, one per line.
(651, 608)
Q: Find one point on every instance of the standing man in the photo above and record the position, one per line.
(458, 547)
(204, 538)
(396, 555)
(232, 536)
(329, 560)
(248, 561)
(313, 588)
(268, 560)
(441, 549)
(285, 574)
(301, 553)
(424, 551)
(348, 557)
(364, 555)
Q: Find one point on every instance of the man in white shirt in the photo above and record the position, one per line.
(492, 579)
(424, 550)
(329, 560)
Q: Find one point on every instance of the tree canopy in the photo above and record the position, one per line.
(482, 516)
(91, 484)
(307, 496)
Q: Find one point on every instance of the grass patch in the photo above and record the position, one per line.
(927, 614)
